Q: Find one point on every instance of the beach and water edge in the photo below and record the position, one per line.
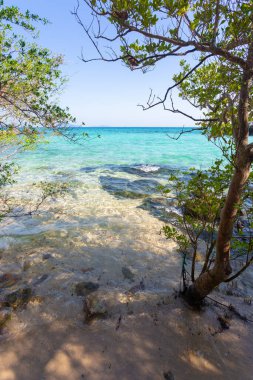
(102, 242)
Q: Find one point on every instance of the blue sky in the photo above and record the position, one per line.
(100, 93)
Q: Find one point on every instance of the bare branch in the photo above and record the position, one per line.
(174, 110)
(161, 101)
(182, 132)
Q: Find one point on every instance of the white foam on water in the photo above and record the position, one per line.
(148, 168)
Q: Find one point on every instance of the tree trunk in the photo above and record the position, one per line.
(207, 281)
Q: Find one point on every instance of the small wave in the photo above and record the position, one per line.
(148, 168)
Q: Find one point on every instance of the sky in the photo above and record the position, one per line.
(100, 93)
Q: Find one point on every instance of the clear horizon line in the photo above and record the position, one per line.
(131, 126)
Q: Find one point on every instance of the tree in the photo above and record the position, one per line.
(30, 78)
(200, 196)
(216, 36)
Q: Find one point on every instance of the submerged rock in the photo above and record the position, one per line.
(89, 169)
(84, 288)
(147, 170)
(141, 170)
(164, 209)
(18, 299)
(123, 188)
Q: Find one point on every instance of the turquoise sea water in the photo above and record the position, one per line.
(122, 146)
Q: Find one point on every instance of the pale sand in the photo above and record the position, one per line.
(91, 239)
(146, 345)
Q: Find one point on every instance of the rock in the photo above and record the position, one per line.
(84, 288)
(8, 279)
(148, 170)
(123, 188)
(164, 209)
(95, 306)
(19, 298)
(5, 316)
(46, 256)
(89, 169)
(127, 273)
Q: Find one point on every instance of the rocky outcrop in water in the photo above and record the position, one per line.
(124, 188)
